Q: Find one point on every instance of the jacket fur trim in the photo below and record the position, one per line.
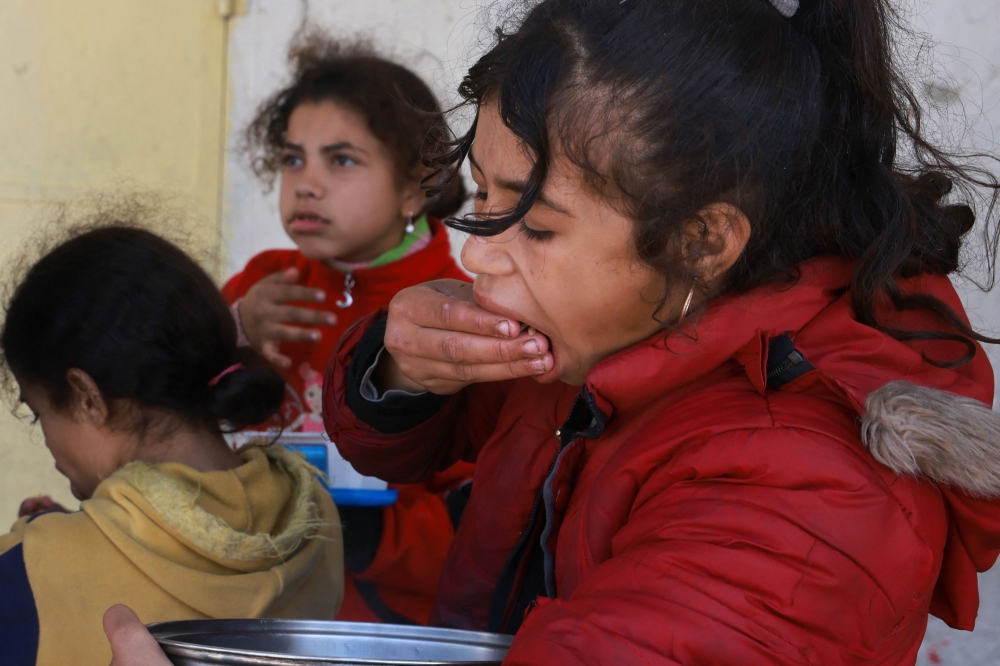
(948, 438)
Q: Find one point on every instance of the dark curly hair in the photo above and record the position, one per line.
(400, 109)
(140, 317)
(800, 123)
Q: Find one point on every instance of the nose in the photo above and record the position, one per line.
(490, 255)
(308, 184)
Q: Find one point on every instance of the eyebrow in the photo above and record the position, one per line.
(330, 148)
(518, 187)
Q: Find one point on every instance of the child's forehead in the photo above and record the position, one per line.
(328, 117)
(329, 127)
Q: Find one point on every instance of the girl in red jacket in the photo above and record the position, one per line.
(724, 403)
(346, 138)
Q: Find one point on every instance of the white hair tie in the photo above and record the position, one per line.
(786, 8)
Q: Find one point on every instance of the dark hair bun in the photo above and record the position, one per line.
(248, 395)
(141, 318)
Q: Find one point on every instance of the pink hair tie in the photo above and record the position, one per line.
(233, 368)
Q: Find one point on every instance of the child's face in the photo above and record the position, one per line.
(340, 195)
(86, 454)
(579, 283)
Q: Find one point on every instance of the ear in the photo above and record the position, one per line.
(414, 199)
(86, 401)
(728, 231)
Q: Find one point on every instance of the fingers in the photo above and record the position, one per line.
(444, 361)
(280, 293)
(264, 313)
(287, 276)
(290, 314)
(42, 503)
(281, 332)
(446, 378)
(470, 318)
(445, 306)
(131, 642)
(272, 354)
(462, 348)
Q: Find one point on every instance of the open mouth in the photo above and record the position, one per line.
(531, 330)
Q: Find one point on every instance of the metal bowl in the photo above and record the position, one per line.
(297, 642)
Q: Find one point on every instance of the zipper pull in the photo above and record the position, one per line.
(348, 300)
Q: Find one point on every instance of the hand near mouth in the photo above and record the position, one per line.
(440, 340)
(265, 315)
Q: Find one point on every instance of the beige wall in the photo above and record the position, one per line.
(103, 94)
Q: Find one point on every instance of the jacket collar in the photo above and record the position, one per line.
(816, 312)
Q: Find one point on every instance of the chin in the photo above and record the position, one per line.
(561, 373)
(312, 247)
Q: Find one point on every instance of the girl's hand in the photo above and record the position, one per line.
(131, 642)
(265, 317)
(40, 504)
(439, 340)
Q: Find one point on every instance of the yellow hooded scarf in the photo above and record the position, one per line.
(261, 540)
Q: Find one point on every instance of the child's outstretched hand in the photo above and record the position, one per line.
(39, 504)
(440, 340)
(131, 642)
(266, 317)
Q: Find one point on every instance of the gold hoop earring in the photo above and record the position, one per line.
(687, 303)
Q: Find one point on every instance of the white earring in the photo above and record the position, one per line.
(687, 303)
(410, 227)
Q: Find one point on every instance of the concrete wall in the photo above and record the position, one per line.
(967, 84)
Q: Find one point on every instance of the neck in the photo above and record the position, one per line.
(200, 449)
(411, 241)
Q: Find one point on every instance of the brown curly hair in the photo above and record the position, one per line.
(400, 109)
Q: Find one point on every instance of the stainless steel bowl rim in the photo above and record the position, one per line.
(202, 651)
(180, 647)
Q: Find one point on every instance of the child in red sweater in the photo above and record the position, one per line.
(346, 139)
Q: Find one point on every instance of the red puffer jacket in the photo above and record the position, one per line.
(704, 504)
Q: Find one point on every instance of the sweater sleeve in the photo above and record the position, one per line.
(18, 614)
(378, 443)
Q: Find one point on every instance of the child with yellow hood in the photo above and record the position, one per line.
(125, 352)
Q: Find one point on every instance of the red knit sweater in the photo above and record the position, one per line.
(417, 530)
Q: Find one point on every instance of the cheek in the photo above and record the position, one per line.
(58, 436)
(367, 192)
(84, 461)
(286, 196)
(598, 309)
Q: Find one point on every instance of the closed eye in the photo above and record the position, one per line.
(535, 234)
